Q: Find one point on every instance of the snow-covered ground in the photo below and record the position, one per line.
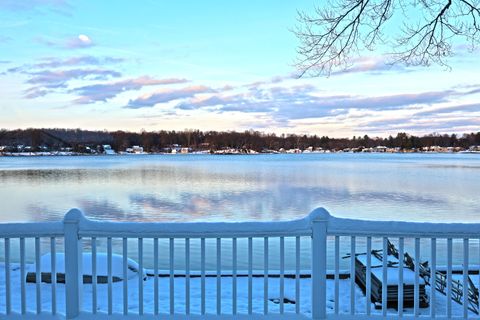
(195, 298)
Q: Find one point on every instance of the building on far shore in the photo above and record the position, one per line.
(135, 149)
(107, 149)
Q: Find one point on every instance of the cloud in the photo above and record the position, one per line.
(63, 76)
(372, 65)
(166, 95)
(470, 107)
(105, 91)
(426, 125)
(46, 81)
(303, 102)
(81, 41)
(272, 80)
(52, 62)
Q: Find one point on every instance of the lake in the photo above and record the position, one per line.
(171, 188)
(417, 187)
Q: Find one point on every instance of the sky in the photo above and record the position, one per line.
(210, 65)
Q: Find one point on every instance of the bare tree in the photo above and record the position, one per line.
(418, 32)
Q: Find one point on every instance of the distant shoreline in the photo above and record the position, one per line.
(76, 154)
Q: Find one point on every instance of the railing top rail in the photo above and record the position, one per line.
(31, 229)
(300, 227)
(343, 226)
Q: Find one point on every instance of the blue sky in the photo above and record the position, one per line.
(209, 65)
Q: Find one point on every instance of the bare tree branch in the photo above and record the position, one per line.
(332, 34)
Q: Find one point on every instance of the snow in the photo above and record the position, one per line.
(195, 286)
(370, 227)
(392, 272)
(336, 226)
(196, 229)
(102, 265)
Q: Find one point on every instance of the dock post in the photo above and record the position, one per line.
(73, 264)
(319, 265)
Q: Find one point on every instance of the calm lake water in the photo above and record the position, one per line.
(416, 187)
(419, 187)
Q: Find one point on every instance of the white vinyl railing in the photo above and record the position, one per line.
(306, 278)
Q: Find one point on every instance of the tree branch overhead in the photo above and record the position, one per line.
(341, 29)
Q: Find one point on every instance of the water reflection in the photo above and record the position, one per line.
(271, 187)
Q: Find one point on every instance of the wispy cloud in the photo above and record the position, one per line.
(104, 91)
(79, 42)
(166, 95)
(45, 82)
(63, 76)
(372, 65)
(52, 62)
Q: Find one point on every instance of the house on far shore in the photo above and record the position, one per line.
(107, 149)
(135, 149)
(380, 149)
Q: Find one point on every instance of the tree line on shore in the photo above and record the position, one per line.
(157, 141)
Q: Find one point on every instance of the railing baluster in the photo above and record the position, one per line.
(319, 268)
(187, 276)
(465, 278)
(94, 275)
(155, 274)
(384, 276)
(337, 275)
(265, 275)
(234, 273)
(38, 275)
(401, 257)
(449, 277)
(125, 275)
(172, 279)
(282, 273)
(53, 270)
(202, 263)
(250, 265)
(219, 276)
(22, 276)
(368, 276)
(8, 297)
(433, 276)
(297, 274)
(352, 275)
(109, 273)
(140, 276)
(416, 293)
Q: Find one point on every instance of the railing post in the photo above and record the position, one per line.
(73, 264)
(319, 263)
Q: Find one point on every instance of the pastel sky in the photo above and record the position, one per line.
(210, 65)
